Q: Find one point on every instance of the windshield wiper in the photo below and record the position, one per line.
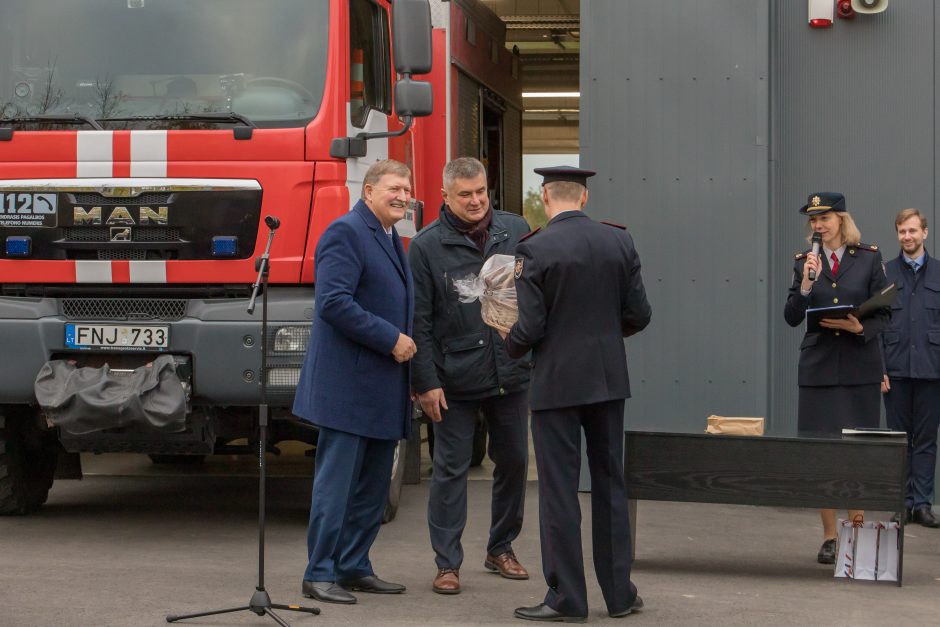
(75, 118)
(228, 117)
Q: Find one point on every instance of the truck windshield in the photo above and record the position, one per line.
(262, 59)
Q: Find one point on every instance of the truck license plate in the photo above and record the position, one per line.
(116, 337)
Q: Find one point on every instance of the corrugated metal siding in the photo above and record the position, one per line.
(512, 160)
(854, 112)
(674, 99)
(468, 122)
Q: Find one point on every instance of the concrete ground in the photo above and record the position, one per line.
(136, 542)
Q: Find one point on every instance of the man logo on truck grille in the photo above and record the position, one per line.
(120, 234)
(120, 216)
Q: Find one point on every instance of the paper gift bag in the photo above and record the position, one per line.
(889, 551)
(735, 425)
(868, 550)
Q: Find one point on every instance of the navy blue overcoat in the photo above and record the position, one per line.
(364, 298)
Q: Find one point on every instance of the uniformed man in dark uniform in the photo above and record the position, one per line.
(580, 293)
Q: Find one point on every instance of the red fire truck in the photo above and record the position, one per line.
(142, 145)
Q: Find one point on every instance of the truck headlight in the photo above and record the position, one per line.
(291, 339)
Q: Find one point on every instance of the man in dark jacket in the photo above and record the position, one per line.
(461, 370)
(912, 361)
(580, 292)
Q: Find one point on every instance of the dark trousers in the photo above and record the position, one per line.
(913, 405)
(507, 425)
(350, 489)
(556, 434)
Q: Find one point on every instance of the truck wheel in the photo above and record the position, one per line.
(479, 444)
(394, 488)
(28, 458)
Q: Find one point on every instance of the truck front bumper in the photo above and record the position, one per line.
(222, 340)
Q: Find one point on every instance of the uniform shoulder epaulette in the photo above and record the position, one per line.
(801, 255)
(869, 247)
(529, 234)
(616, 226)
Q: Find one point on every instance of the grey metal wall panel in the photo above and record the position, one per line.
(854, 111)
(674, 99)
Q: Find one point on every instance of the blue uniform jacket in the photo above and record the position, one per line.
(912, 342)
(364, 298)
(580, 293)
(836, 357)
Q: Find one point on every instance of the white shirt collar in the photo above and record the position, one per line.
(839, 252)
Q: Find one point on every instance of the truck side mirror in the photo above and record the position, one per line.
(411, 36)
(413, 98)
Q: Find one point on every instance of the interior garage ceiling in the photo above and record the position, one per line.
(546, 34)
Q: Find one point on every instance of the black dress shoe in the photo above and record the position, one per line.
(327, 591)
(827, 552)
(544, 613)
(373, 584)
(923, 516)
(906, 515)
(636, 605)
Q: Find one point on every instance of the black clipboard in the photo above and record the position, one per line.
(884, 298)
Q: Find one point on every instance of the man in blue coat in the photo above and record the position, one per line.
(912, 361)
(355, 383)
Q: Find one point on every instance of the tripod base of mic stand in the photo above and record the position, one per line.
(260, 604)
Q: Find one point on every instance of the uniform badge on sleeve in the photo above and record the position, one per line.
(518, 272)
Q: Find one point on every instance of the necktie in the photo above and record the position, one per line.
(835, 263)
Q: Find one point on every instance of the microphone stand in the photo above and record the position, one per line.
(260, 602)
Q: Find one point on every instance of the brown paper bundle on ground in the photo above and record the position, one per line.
(724, 425)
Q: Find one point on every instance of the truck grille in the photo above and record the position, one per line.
(109, 254)
(147, 199)
(169, 219)
(123, 308)
(138, 234)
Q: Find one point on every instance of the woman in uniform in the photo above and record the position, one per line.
(840, 368)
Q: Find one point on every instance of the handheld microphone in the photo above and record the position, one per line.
(817, 242)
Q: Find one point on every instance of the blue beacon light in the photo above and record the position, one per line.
(19, 246)
(224, 246)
